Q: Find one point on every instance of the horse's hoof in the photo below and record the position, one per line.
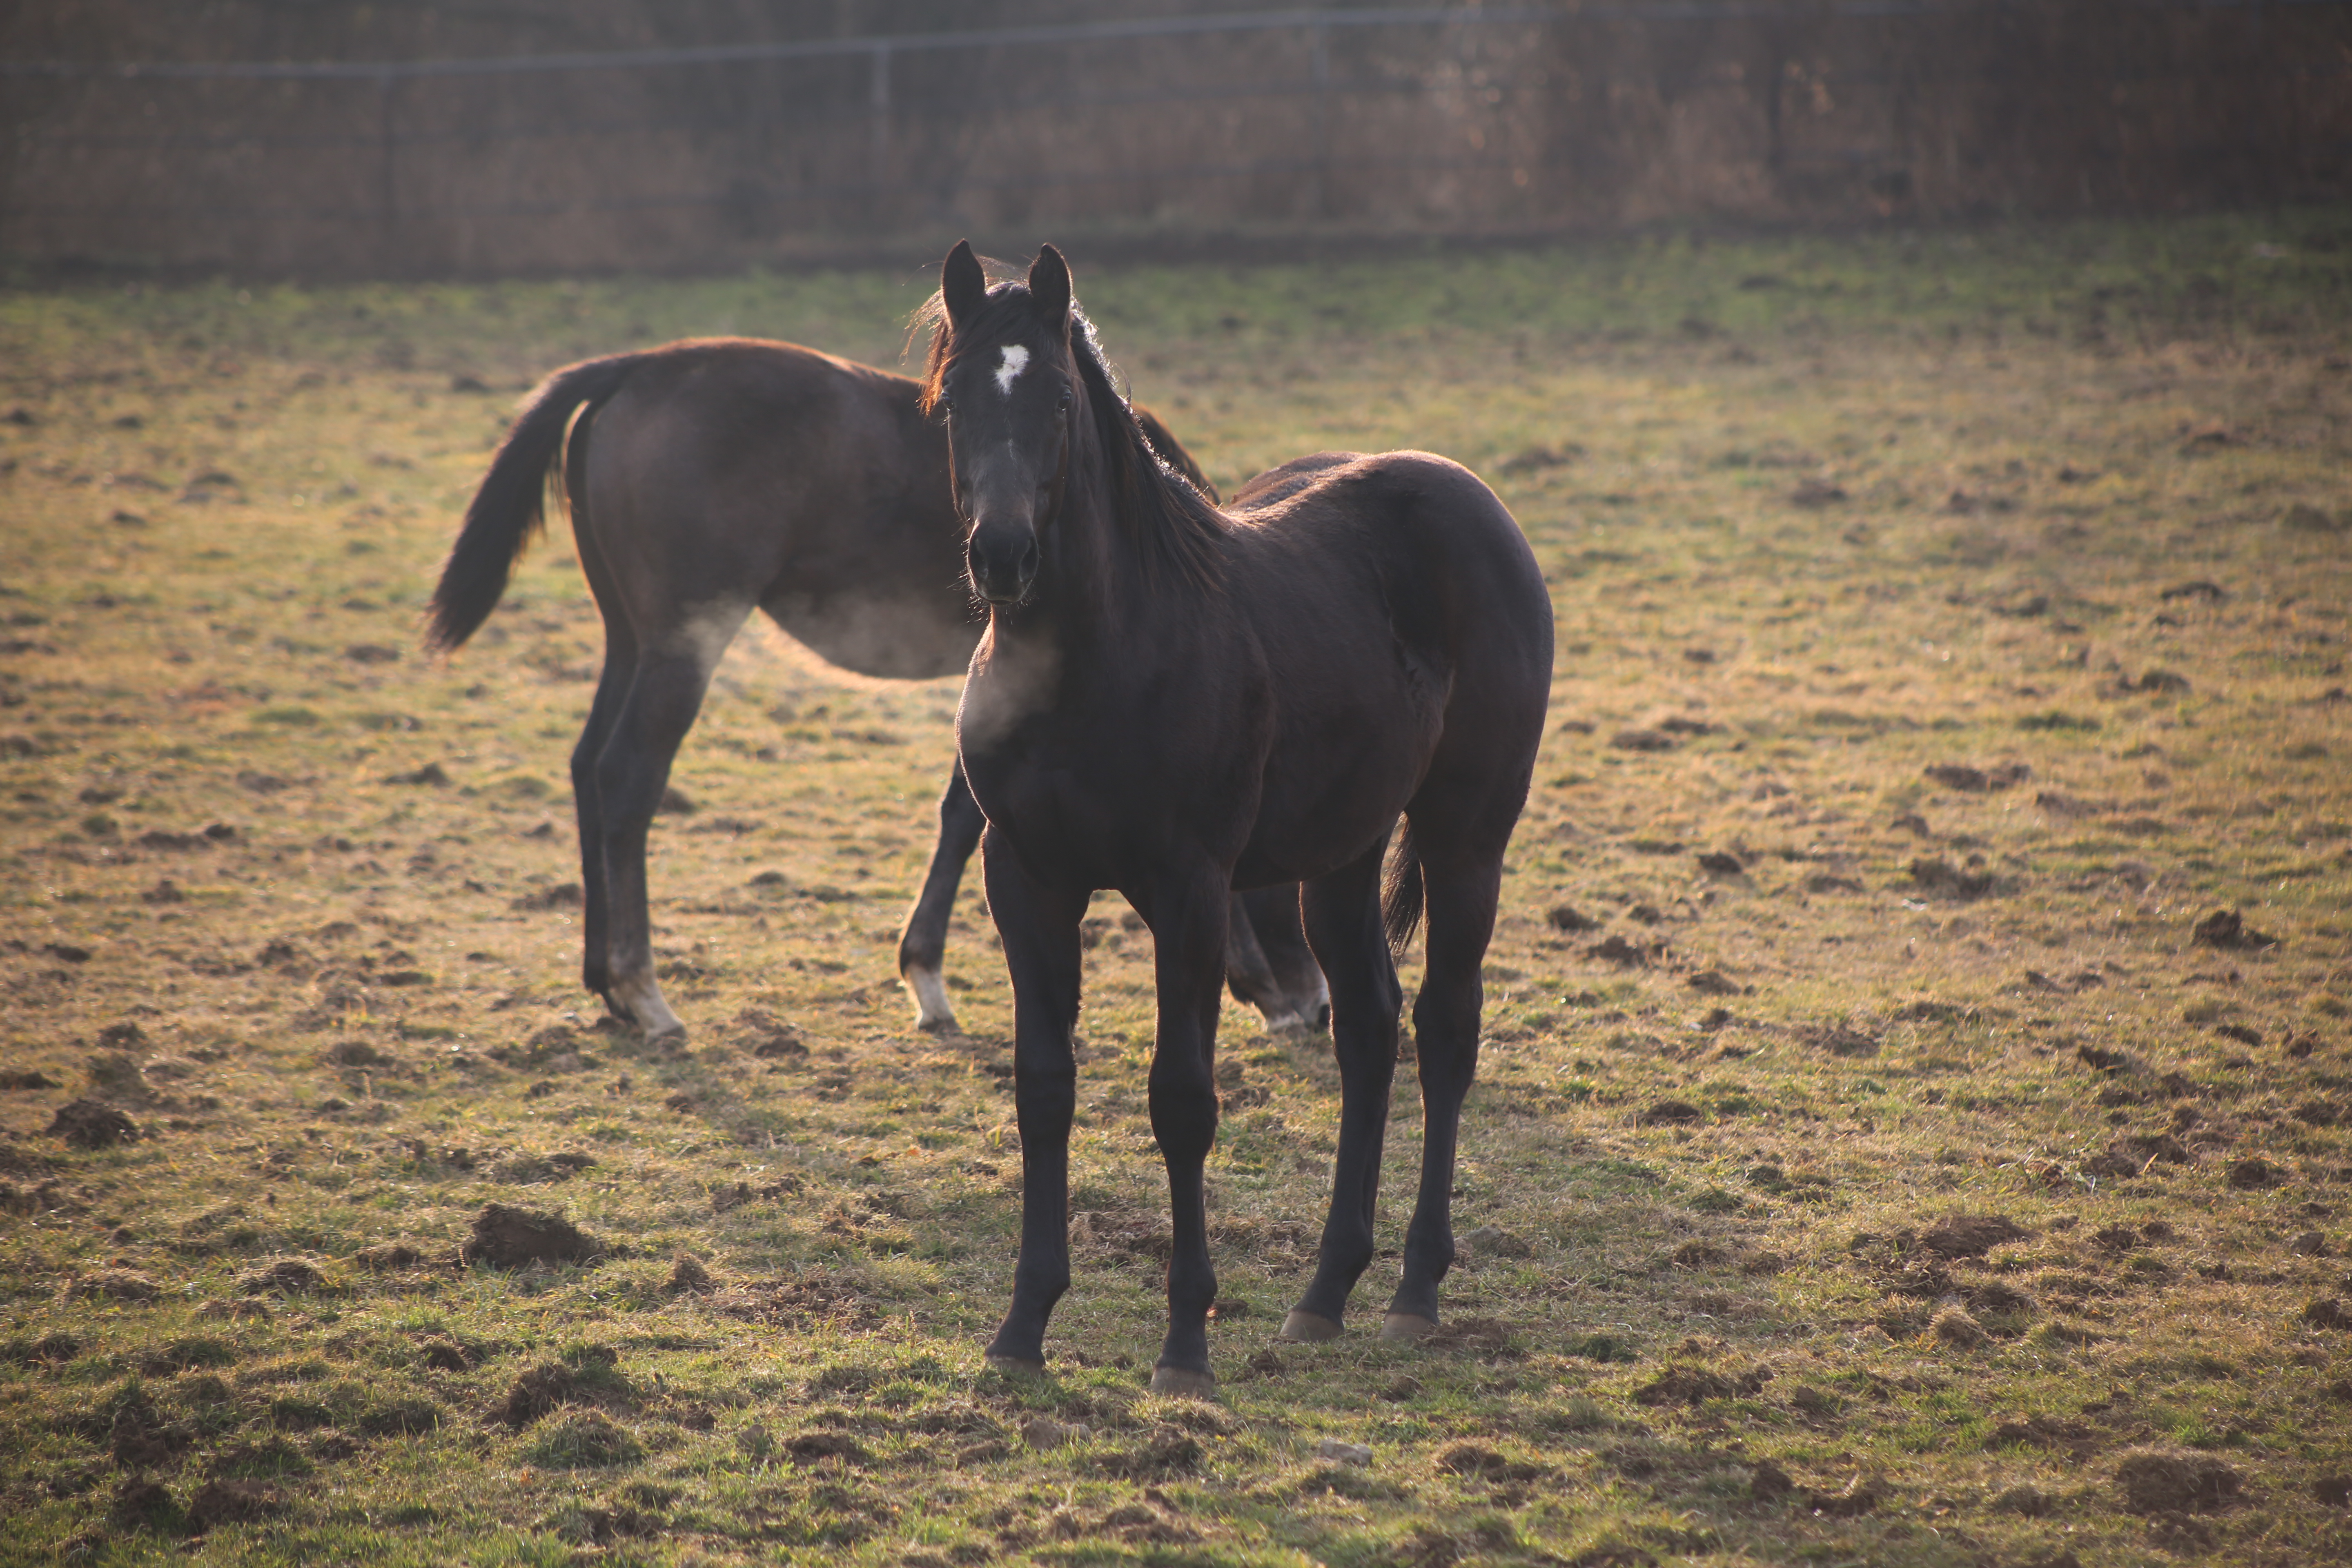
(1306, 1328)
(1014, 1366)
(932, 1012)
(1184, 1383)
(1405, 1327)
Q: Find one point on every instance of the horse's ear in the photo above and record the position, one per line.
(962, 285)
(1049, 285)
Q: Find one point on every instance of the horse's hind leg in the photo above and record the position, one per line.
(1302, 1000)
(1460, 897)
(1342, 919)
(612, 687)
(923, 944)
(664, 697)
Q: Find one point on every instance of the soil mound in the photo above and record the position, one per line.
(509, 1237)
(92, 1124)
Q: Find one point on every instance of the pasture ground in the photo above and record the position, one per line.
(1869, 1162)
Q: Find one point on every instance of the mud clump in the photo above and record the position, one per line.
(2227, 930)
(386, 1257)
(92, 1124)
(117, 1285)
(1169, 1451)
(1971, 1235)
(218, 1502)
(1477, 1459)
(509, 1237)
(588, 1376)
(1696, 1384)
(687, 1275)
(2254, 1174)
(537, 1392)
(1954, 1326)
(2176, 1483)
(283, 1277)
(810, 1446)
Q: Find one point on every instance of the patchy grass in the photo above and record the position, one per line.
(1869, 1162)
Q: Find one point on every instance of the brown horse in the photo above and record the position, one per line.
(709, 477)
(1175, 701)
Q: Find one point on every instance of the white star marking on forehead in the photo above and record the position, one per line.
(1017, 360)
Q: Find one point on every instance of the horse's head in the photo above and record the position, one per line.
(1007, 385)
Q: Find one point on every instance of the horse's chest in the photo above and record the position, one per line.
(1092, 794)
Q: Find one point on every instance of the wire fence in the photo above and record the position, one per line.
(1458, 120)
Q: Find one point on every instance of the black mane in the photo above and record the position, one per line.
(1172, 524)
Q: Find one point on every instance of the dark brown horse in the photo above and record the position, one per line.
(708, 478)
(1174, 702)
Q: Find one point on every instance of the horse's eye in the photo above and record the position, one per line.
(1064, 405)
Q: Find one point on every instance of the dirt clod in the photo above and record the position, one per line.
(2328, 1312)
(282, 1277)
(687, 1275)
(808, 1446)
(2253, 1172)
(117, 1285)
(1618, 951)
(92, 1124)
(1687, 1385)
(388, 1256)
(1169, 1451)
(1956, 1328)
(1971, 1235)
(2176, 1483)
(2025, 1500)
(1979, 781)
(2227, 930)
(222, 1502)
(1477, 1459)
(1493, 1241)
(509, 1237)
(1671, 1114)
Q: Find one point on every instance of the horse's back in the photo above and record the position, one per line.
(1438, 538)
(748, 471)
(1406, 629)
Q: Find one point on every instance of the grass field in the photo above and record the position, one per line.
(1871, 1163)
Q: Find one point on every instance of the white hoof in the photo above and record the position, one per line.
(642, 999)
(933, 1010)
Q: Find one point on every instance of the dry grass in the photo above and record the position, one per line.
(1822, 521)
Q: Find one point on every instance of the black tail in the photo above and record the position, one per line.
(1401, 892)
(511, 508)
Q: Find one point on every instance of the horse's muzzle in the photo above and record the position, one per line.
(1003, 559)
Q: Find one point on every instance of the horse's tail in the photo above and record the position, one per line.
(1400, 891)
(511, 508)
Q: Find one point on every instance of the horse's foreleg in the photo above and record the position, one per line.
(631, 773)
(1188, 914)
(923, 944)
(1460, 905)
(1342, 920)
(1040, 930)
